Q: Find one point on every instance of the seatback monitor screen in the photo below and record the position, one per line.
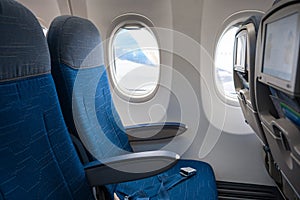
(281, 47)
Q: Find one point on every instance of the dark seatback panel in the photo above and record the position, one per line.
(255, 20)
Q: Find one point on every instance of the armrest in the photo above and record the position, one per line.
(145, 132)
(129, 167)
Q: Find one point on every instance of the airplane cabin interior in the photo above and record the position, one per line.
(150, 100)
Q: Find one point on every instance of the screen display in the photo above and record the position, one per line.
(240, 52)
(280, 47)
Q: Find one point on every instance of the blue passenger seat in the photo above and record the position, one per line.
(37, 158)
(81, 80)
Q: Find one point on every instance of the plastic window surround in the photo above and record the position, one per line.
(131, 20)
(224, 64)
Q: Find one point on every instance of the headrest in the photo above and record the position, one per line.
(75, 41)
(23, 47)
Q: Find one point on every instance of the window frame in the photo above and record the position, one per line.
(118, 23)
(230, 99)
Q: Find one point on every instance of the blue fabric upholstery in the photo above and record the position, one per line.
(200, 186)
(37, 157)
(38, 160)
(86, 94)
(80, 34)
(86, 101)
(18, 56)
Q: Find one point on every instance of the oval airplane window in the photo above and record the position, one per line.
(224, 64)
(135, 61)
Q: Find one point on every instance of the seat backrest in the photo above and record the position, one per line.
(277, 81)
(255, 20)
(80, 77)
(38, 160)
(244, 73)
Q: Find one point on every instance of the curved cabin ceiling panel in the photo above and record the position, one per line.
(47, 10)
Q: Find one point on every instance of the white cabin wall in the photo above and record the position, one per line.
(237, 155)
(229, 145)
(103, 13)
(216, 131)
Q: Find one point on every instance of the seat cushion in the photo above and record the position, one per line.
(200, 186)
